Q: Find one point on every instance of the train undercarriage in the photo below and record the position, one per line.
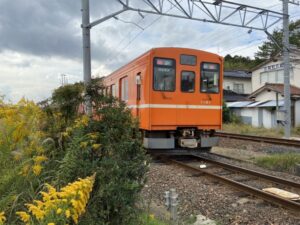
(184, 138)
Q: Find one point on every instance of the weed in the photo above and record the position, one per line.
(282, 162)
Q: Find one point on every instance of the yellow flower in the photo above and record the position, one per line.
(39, 159)
(58, 211)
(151, 216)
(2, 218)
(96, 146)
(25, 217)
(68, 213)
(83, 144)
(37, 168)
(51, 223)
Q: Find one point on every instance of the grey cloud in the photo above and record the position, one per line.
(46, 28)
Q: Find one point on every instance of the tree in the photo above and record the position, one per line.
(269, 49)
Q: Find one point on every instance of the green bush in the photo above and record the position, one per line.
(111, 147)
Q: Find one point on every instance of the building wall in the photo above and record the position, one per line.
(268, 95)
(228, 83)
(297, 113)
(275, 74)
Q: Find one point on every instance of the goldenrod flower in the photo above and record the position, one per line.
(2, 218)
(83, 144)
(151, 216)
(72, 198)
(96, 146)
(68, 213)
(25, 217)
(37, 169)
(39, 159)
(58, 211)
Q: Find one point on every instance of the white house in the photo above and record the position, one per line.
(266, 107)
(271, 71)
(237, 81)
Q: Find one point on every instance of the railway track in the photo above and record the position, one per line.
(240, 178)
(270, 140)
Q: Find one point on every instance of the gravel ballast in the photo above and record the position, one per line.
(206, 196)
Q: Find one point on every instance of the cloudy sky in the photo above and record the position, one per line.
(41, 39)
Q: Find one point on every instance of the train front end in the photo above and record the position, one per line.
(185, 99)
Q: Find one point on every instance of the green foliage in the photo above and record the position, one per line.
(145, 219)
(67, 100)
(226, 113)
(282, 162)
(110, 146)
(269, 49)
(240, 62)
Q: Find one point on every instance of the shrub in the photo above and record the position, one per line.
(110, 146)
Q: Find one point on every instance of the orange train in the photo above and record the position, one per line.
(177, 95)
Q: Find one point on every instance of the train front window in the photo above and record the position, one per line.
(210, 77)
(187, 81)
(164, 74)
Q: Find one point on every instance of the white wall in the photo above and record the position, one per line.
(297, 113)
(295, 75)
(268, 95)
(229, 81)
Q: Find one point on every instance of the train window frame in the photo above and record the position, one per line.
(187, 64)
(124, 88)
(201, 76)
(194, 81)
(174, 67)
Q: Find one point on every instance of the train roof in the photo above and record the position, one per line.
(162, 48)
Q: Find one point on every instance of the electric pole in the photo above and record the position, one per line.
(86, 53)
(286, 66)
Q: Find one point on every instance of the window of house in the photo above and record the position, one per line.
(124, 89)
(238, 88)
(187, 81)
(210, 76)
(164, 77)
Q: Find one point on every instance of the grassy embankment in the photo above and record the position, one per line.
(285, 162)
(260, 131)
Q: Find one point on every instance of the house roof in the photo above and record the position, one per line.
(259, 104)
(279, 88)
(231, 96)
(238, 74)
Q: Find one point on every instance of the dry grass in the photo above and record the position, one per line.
(285, 162)
(260, 131)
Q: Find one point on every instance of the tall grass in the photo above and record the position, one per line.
(285, 162)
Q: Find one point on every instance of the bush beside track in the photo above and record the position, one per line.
(52, 144)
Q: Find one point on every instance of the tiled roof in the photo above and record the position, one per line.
(238, 74)
(231, 96)
(279, 88)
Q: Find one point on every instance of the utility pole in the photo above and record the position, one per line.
(63, 79)
(286, 66)
(86, 42)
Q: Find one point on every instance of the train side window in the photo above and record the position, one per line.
(113, 90)
(164, 77)
(124, 89)
(210, 77)
(187, 81)
(138, 80)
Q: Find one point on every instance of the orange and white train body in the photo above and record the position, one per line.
(176, 93)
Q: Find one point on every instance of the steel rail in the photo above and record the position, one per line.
(250, 190)
(270, 140)
(250, 172)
